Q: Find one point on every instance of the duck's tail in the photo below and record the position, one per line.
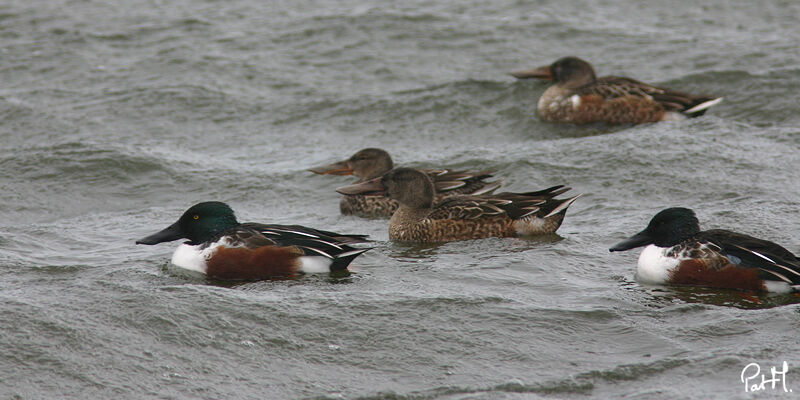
(560, 206)
(700, 105)
(342, 260)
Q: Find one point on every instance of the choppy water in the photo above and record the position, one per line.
(114, 118)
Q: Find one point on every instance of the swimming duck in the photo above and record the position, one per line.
(419, 219)
(579, 97)
(222, 248)
(677, 252)
(371, 163)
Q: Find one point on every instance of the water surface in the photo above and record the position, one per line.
(115, 118)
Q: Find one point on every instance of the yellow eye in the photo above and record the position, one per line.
(196, 217)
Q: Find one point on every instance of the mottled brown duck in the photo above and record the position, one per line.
(371, 163)
(579, 97)
(419, 219)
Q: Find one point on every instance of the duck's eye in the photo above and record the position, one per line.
(196, 216)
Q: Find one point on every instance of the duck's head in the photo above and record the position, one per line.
(366, 164)
(667, 228)
(568, 71)
(199, 223)
(408, 186)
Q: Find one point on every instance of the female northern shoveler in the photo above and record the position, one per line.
(371, 163)
(222, 248)
(579, 97)
(462, 217)
(679, 253)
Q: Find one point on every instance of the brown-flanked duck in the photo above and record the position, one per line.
(677, 252)
(222, 248)
(579, 97)
(371, 163)
(419, 219)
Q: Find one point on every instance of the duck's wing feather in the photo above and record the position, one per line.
(774, 261)
(541, 202)
(313, 242)
(460, 182)
(243, 236)
(610, 87)
(299, 231)
(512, 205)
(468, 207)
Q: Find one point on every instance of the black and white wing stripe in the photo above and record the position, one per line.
(775, 262)
(314, 242)
(291, 231)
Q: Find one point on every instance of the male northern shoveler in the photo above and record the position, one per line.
(222, 248)
(371, 163)
(579, 97)
(679, 253)
(463, 217)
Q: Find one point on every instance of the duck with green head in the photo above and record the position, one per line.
(677, 252)
(221, 247)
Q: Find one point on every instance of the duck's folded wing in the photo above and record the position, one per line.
(313, 242)
(474, 207)
(467, 182)
(541, 202)
(775, 262)
(611, 87)
(283, 232)
(242, 236)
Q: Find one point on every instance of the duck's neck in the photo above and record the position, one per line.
(404, 220)
(371, 175)
(407, 214)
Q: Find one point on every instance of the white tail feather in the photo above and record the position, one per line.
(562, 206)
(351, 252)
(702, 106)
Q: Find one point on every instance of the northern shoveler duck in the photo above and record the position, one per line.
(419, 219)
(372, 163)
(679, 253)
(579, 97)
(222, 248)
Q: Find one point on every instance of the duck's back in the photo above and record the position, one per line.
(454, 218)
(619, 100)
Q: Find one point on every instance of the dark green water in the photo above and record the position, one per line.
(114, 118)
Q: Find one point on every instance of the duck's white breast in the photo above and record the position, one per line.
(192, 257)
(654, 266)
